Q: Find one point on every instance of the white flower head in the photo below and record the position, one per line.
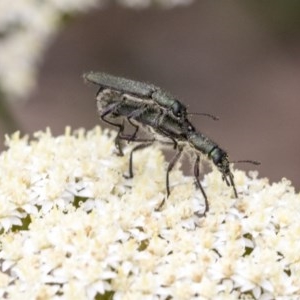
(72, 226)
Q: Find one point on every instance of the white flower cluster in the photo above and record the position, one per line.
(73, 227)
(26, 29)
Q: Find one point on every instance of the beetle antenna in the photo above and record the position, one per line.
(204, 114)
(253, 162)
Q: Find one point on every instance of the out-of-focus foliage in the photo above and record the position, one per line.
(283, 17)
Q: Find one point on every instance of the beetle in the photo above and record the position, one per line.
(139, 89)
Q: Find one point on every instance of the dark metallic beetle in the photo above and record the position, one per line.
(139, 89)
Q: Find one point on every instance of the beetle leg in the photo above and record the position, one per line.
(230, 175)
(169, 169)
(106, 112)
(171, 166)
(133, 115)
(196, 174)
(136, 148)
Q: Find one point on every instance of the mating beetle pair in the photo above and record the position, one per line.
(148, 105)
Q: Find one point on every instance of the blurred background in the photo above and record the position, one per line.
(238, 60)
